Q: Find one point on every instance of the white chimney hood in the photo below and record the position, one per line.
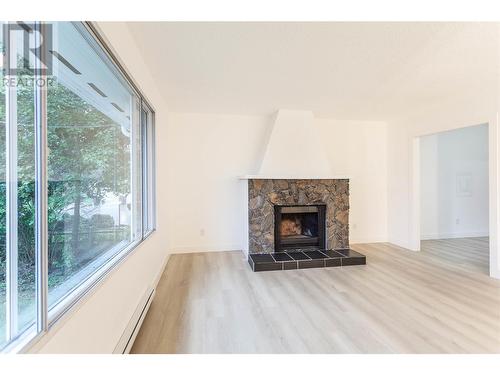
(294, 149)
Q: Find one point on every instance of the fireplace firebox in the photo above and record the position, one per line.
(299, 227)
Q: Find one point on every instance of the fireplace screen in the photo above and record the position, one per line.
(298, 227)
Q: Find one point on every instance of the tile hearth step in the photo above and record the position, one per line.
(305, 259)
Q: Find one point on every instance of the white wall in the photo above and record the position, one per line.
(470, 108)
(295, 130)
(97, 322)
(430, 189)
(209, 152)
(467, 107)
(359, 149)
(448, 159)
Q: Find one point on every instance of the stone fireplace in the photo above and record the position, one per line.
(299, 223)
(312, 211)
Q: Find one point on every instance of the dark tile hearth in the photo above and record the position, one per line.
(299, 255)
(333, 253)
(315, 254)
(290, 265)
(349, 253)
(316, 263)
(305, 259)
(352, 258)
(282, 257)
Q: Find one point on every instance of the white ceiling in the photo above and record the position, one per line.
(371, 71)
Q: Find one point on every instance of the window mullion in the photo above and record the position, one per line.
(144, 169)
(11, 192)
(41, 187)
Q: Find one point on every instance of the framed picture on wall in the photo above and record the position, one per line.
(464, 185)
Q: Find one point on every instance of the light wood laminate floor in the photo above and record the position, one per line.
(469, 254)
(401, 302)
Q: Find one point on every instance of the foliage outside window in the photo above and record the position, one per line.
(99, 168)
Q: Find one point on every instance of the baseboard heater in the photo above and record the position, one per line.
(127, 339)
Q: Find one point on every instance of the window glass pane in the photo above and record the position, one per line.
(17, 188)
(94, 161)
(25, 99)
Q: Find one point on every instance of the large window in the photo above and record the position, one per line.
(76, 171)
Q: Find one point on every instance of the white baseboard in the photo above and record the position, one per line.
(128, 337)
(442, 236)
(164, 266)
(204, 249)
(400, 243)
(367, 240)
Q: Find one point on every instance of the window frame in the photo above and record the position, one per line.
(148, 171)
(46, 317)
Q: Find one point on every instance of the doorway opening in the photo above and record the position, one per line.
(454, 197)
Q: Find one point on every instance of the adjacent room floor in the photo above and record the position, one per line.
(400, 302)
(470, 254)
